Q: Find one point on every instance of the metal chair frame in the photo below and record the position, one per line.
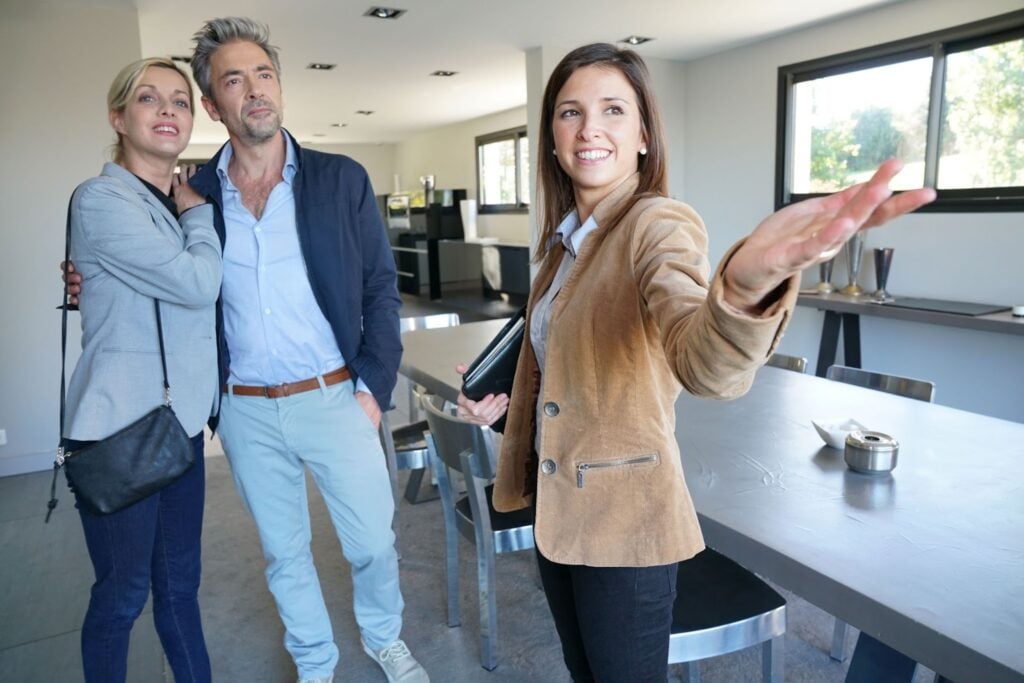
(767, 628)
(469, 450)
(918, 389)
(794, 363)
(410, 453)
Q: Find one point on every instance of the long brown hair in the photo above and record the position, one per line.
(555, 186)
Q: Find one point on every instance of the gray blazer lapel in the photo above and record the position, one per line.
(156, 207)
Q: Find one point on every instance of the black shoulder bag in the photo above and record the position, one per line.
(133, 462)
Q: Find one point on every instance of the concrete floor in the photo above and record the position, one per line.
(45, 576)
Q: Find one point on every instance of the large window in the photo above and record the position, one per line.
(950, 104)
(503, 171)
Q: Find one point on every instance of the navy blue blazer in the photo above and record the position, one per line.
(348, 261)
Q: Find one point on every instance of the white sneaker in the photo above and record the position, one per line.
(398, 663)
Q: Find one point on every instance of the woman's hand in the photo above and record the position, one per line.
(484, 412)
(184, 196)
(809, 232)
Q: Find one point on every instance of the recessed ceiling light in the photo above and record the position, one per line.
(364, 112)
(338, 125)
(320, 66)
(181, 58)
(384, 12)
(441, 72)
(636, 40)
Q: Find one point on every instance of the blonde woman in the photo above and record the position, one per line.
(139, 233)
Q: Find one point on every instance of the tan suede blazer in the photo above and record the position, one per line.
(634, 324)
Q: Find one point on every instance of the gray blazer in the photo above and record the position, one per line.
(130, 249)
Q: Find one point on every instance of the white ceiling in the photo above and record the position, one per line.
(384, 65)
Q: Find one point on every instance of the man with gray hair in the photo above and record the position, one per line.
(309, 348)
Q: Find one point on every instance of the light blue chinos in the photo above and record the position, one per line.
(269, 442)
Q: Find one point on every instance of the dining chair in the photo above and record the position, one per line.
(918, 389)
(423, 322)
(457, 446)
(781, 360)
(721, 607)
(404, 446)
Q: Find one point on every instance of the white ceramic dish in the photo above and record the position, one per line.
(833, 431)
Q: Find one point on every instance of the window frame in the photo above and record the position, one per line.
(515, 134)
(938, 45)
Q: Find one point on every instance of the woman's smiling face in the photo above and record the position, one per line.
(598, 133)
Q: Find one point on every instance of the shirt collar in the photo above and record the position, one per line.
(290, 165)
(571, 234)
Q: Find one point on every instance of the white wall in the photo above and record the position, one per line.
(60, 59)
(449, 153)
(378, 160)
(729, 170)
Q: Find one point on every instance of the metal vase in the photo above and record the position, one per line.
(854, 249)
(825, 286)
(883, 259)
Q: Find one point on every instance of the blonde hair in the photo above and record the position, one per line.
(125, 82)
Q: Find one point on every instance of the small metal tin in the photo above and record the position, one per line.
(871, 452)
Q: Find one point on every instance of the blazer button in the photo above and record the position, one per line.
(551, 409)
(548, 466)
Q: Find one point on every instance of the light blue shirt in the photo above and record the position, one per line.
(571, 234)
(275, 330)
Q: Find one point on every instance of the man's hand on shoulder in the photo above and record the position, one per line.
(74, 280)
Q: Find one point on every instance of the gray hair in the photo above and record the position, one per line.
(218, 32)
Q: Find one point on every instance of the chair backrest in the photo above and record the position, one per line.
(919, 389)
(454, 436)
(429, 322)
(781, 360)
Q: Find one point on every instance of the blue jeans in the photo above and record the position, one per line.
(614, 622)
(270, 444)
(155, 544)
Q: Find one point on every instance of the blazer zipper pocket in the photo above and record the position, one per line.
(583, 467)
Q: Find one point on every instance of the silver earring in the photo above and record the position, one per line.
(555, 152)
(643, 151)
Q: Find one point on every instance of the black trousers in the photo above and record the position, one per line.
(614, 622)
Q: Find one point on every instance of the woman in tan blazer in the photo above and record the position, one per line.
(623, 314)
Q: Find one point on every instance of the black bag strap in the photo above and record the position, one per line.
(65, 307)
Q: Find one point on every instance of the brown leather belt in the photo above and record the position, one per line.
(291, 388)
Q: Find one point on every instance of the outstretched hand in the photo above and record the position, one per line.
(806, 233)
(484, 412)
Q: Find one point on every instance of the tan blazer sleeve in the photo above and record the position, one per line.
(713, 349)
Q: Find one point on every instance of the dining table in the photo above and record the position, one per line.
(927, 558)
